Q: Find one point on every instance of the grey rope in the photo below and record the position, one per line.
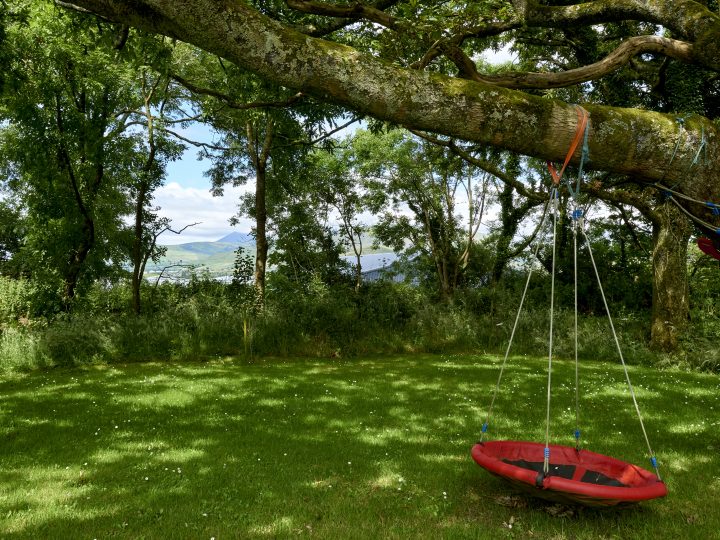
(653, 460)
(546, 463)
(672, 194)
(514, 328)
(692, 216)
(576, 223)
(680, 195)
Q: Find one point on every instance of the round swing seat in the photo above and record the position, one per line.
(708, 247)
(575, 476)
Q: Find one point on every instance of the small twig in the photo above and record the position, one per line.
(321, 137)
(157, 281)
(230, 102)
(194, 143)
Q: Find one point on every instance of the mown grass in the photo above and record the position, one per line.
(366, 448)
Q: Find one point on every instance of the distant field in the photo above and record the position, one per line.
(368, 448)
(219, 257)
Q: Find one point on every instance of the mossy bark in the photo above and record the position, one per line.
(626, 141)
(671, 305)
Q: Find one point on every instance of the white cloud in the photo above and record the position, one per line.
(185, 205)
(500, 57)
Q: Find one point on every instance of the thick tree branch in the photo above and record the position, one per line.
(615, 60)
(687, 19)
(320, 29)
(442, 46)
(625, 141)
(354, 11)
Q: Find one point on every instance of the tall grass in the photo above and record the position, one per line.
(205, 319)
(15, 299)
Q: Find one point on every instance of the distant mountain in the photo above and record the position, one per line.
(198, 250)
(203, 248)
(217, 257)
(238, 238)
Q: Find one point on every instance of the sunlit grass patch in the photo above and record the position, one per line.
(336, 449)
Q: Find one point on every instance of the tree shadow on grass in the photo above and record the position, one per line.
(337, 449)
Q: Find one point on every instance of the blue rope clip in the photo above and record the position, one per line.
(577, 434)
(577, 214)
(547, 453)
(653, 461)
(484, 427)
(717, 231)
(714, 207)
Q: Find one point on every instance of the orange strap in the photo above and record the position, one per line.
(579, 132)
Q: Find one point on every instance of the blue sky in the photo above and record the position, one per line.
(185, 198)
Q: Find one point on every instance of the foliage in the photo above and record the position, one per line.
(15, 300)
(305, 246)
(11, 235)
(416, 189)
(65, 96)
(331, 177)
(205, 318)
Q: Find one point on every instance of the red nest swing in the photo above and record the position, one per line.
(574, 477)
(562, 473)
(708, 247)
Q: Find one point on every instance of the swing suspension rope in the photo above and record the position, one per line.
(578, 225)
(653, 459)
(673, 195)
(546, 463)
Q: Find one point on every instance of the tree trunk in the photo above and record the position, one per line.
(358, 272)
(137, 252)
(261, 245)
(77, 262)
(671, 308)
(259, 158)
(139, 258)
(509, 226)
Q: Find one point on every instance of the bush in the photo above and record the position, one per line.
(15, 299)
(20, 350)
(205, 319)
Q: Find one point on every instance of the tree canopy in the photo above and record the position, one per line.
(416, 64)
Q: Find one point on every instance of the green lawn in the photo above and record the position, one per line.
(366, 448)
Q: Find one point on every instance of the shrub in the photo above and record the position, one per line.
(15, 299)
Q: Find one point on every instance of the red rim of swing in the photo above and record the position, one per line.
(576, 476)
(706, 246)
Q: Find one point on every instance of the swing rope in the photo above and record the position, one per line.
(653, 459)
(578, 224)
(538, 243)
(546, 463)
(576, 220)
(577, 214)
